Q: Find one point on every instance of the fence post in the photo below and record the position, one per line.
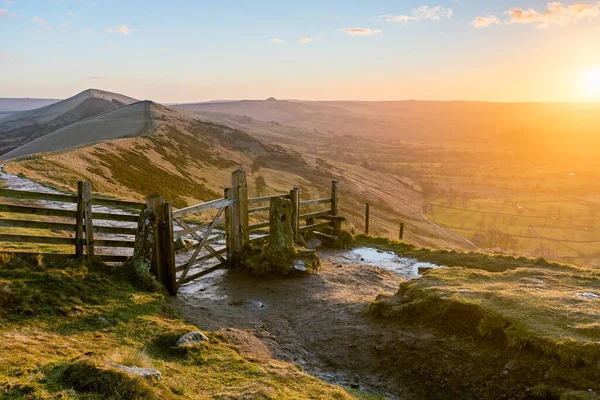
(79, 221)
(89, 220)
(227, 194)
(401, 235)
(155, 202)
(334, 197)
(295, 199)
(167, 252)
(367, 219)
(240, 235)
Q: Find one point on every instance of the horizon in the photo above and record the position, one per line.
(521, 51)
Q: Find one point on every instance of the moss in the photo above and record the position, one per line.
(265, 261)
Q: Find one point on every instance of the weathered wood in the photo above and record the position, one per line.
(21, 194)
(214, 252)
(313, 226)
(315, 202)
(240, 233)
(295, 199)
(201, 245)
(100, 201)
(314, 215)
(79, 221)
(260, 225)
(326, 236)
(334, 197)
(367, 218)
(114, 230)
(266, 199)
(18, 223)
(36, 239)
(258, 210)
(210, 205)
(114, 243)
(155, 203)
(168, 252)
(116, 217)
(202, 273)
(89, 220)
(210, 240)
(52, 212)
(199, 260)
(227, 194)
(401, 234)
(111, 258)
(190, 230)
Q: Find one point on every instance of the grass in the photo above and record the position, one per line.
(63, 322)
(521, 304)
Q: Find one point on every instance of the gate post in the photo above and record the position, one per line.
(295, 199)
(156, 203)
(89, 220)
(79, 221)
(228, 195)
(167, 252)
(240, 235)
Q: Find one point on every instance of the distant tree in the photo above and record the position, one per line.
(261, 184)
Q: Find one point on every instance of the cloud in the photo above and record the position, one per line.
(42, 22)
(305, 40)
(9, 2)
(5, 13)
(85, 31)
(555, 13)
(123, 29)
(361, 31)
(484, 22)
(70, 14)
(420, 13)
(3, 55)
(277, 40)
(95, 77)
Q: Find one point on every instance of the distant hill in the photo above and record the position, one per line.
(11, 105)
(25, 126)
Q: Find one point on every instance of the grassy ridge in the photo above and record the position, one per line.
(62, 323)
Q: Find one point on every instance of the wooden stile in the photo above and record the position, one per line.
(79, 221)
(89, 220)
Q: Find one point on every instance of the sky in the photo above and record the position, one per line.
(185, 50)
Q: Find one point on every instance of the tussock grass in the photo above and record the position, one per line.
(63, 322)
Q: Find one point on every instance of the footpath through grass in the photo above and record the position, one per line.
(62, 324)
(521, 304)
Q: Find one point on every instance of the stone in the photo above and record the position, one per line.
(313, 243)
(145, 238)
(281, 237)
(191, 339)
(180, 243)
(146, 373)
(300, 265)
(103, 320)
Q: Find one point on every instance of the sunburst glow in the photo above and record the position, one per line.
(591, 83)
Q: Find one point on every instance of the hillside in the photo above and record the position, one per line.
(25, 126)
(12, 105)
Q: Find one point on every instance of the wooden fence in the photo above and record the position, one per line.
(216, 244)
(68, 220)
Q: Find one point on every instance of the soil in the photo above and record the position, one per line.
(320, 322)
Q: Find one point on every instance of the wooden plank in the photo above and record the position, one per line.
(114, 243)
(239, 230)
(202, 273)
(258, 210)
(215, 252)
(295, 200)
(212, 239)
(36, 239)
(192, 229)
(228, 218)
(258, 238)
(219, 203)
(203, 258)
(89, 221)
(53, 212)
(261, 225)
(155, 202)
(18, 223)
(326, 236)
(266, 199)
(334, 197)
(168, 252)
(111, 258)
(313, 226)
(18, 253)
(116, 217)
(315, 202)
(114, 230)
(99, 201)
(316, 214)
(79, 221)
(21, 194)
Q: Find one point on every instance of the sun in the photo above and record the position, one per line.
(591, 83)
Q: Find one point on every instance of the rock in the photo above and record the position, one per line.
(103, 320)
(422, 270)
(300, 265)
(146, 373)
(180, 243)
(191, 338)
(281, 237)
(145, 239)
(313, 243)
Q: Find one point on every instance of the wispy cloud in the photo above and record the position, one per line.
(361, 31)
(5, 13)
(305, 40)
(9, 2)
(555, 14)
(93, 78)
(70, 14)
(42, 22)
(277, 40)
(122, 29)
(484, 22)
(85, 31)
(420, 13)
(2, 55)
